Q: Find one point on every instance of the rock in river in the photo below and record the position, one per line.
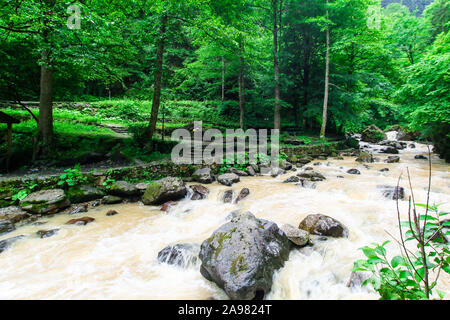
(323, 225)
(123, 189)
(392, 159)
(199, 192)
(81, 221)
(242, 255)
(203, 175)
(5, 244)
(182, 254)
(47, 233)
(298, 236)
(242, 195)
(167, 189)
(45, 202)
(353, 171)
(228, 179)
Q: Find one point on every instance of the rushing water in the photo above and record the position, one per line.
(116, 257)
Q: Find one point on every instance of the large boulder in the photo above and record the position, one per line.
(323, 225)
(123, 189)
(203, 175)
(199, 192)
(228, 179)
(373, 134)
(182, 254)
(45, 202)
(242, 255)
(84, 193)
(167, 189)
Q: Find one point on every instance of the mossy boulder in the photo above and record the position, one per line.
(167, 189)
(45, 202)
(84, 193)
(203, 175)
(373, 134)
(242, 256)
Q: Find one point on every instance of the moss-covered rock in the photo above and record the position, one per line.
(167, 189)
(123, 189)
(45, 202)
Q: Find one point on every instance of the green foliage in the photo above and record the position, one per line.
(402, 277)
(26, 189)
(72, 177)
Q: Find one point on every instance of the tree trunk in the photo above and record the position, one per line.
(327, 78)
(45, 127)
(157, 86)
(241, 84)
(277, 121)
(223, 79)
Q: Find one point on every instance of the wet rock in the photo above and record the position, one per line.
(78, 209)
(392, 159)
(227, 196)
(166, 206)
(245, 192)
(420, 157)
(390, 150)
(142, 186)
(373, 134)
(84, 193)
(305, 160)
(392, 193)
(357, 278)
(95, 204)
(123, 189)
(250, 171)
(353, 171)
(13, 214)
(317, 164)
(199, 192)
(285, 165)
(322, 157)
(228, 179)
(323, 225)
(111, 213)
(292, 179)
(7, 243)
(47, 233)
(81, 221)
(182, 255)
(203, 175)
(311, 175)
(384, 170)
(298, 236)
(366, 157)
(238, 172)
(412, 146)
(6, 226)
(275, 172)
(167, 189)
(111, 200)
(340, 177)
(45, 202)
(242, 255)
(304, 183)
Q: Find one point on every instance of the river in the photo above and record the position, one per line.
(115, 257)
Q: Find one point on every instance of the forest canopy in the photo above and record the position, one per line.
(275, 63)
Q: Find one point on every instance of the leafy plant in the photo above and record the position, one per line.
(408, 276)
(109, 182)
(72, 177)
(28, 188)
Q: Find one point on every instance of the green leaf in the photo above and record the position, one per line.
(396, 261)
